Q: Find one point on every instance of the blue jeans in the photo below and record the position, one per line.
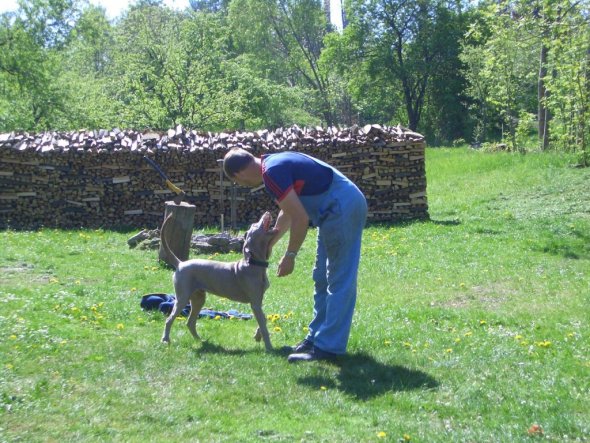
(339, 214)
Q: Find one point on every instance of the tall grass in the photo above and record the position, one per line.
(472, 326)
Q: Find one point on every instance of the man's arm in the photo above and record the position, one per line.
(293, 217)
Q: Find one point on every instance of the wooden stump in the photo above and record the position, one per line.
(179, 230)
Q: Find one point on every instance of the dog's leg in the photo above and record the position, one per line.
(176, 310)
(262, 329)
(183, 293)
(197, 303)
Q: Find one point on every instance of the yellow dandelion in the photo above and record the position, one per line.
(133, 289)
(305, 329)
(217, 317)
(77, 282)
(120, 326)
(387, 342)
(483, 322)
(407, 344)
(277, 329)
(83, 318)
(146, 267)
(13, 337)
(381, 434)
(457, 340)
(518, 337)
(53, 280)
(406, 437)
(449, 350)
(461, 285)
(9, 366)
(468, 334)
(323, 388)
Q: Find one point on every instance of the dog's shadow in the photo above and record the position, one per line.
(363, 377)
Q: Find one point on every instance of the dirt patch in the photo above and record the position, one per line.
(490, 296)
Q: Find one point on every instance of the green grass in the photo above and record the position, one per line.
(470, 327)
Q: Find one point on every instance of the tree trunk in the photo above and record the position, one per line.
(179, 231)
(542, 94)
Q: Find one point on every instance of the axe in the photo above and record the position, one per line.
(180, 194)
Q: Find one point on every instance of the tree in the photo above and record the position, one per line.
(286, 37)
(501, 64)
(30, 40)
(400, 45)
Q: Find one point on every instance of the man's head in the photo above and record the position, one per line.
(242, 167)
(236, 160)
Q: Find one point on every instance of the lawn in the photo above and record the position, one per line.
(472, 326)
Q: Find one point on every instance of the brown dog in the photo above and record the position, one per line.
(244, 281)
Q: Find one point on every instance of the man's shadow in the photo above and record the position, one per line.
(363, 377)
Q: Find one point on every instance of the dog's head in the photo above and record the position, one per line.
(258, 237)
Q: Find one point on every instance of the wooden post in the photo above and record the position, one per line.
(180, 230)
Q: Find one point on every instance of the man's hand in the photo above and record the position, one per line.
(286, 266)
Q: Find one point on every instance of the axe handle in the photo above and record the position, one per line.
(169, 184)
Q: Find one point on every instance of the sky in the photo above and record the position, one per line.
(113, 7)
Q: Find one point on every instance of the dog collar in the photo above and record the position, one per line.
(253, 261)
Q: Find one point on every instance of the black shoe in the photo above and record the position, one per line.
(304, 345)
(312, 355)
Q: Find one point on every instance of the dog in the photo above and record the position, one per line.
(244, 281)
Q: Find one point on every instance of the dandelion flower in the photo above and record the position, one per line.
(449, 350)
(387, 342)
(217, 317)
(13, 337)
(406, 437)
(381, 434)
(120, 326)
(483, 322)
(323, 388)
(277, 329)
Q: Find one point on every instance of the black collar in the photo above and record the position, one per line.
(253, 261)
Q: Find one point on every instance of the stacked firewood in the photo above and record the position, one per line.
(100, 179)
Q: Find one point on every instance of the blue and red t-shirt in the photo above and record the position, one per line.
(284, 171)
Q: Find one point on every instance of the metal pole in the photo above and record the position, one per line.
(233, 206)
(221, 202)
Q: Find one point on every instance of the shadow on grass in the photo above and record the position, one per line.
(206, 347)
(362, 377)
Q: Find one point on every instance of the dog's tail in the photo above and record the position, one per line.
(174, 260)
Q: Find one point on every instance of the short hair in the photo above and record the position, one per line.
(236, 160)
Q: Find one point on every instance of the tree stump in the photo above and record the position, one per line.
(179, 230)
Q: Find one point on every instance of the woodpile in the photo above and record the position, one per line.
(100, 179)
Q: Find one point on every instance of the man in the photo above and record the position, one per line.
(308, 190)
